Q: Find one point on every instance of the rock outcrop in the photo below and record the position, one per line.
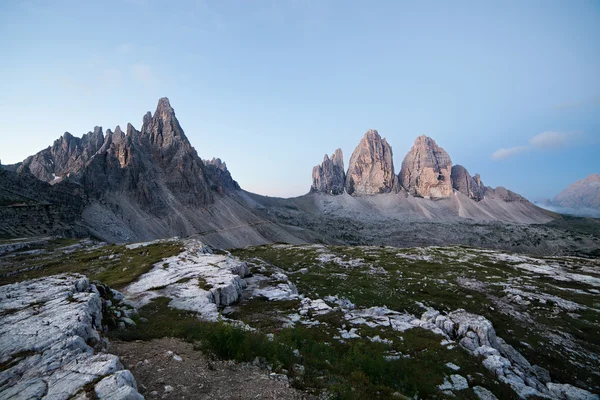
(219, 176)
(371, 168)
(505, 194)
(196, 280)
(49, 329)
(466, 184)
(584, 193)
(476, 334)
(329, 177)
(426, 170)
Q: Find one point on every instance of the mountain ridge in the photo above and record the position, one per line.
(151, 183)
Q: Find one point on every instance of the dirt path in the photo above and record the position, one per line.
(188, 374)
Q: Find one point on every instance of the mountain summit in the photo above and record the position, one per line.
(371, 167)
(584, 193)
(426, 170)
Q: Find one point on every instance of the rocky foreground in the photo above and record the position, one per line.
(51, 347)
(349, 321)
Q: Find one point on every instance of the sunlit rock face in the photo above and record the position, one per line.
(426, 170)
(329, 177)
(371, 168)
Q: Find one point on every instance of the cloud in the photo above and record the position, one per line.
(544, 141)
(144, 74)
(502, 154)
(551, 140)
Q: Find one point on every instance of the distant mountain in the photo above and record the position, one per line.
(581, 198)
(427, 172)
(134, 186)
(151, 183)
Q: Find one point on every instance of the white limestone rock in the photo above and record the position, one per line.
(569, 392)
(47, 328)
(483, 393)
(179, 277)
(456, 382)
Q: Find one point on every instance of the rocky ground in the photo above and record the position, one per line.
(51, 347)
(316, 320)
(171, 369)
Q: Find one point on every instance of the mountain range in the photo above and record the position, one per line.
(151, 183)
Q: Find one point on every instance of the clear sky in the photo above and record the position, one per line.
(511, 89)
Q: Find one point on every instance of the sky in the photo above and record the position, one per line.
(510, 89)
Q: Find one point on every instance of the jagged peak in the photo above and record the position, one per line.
(164, 109)
(372, 133)
(130, 129)
(217, 162)
(338, 158)
(98, 130)
(118, 130)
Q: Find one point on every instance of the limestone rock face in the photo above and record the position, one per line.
(68, 155)
(219, 176)
(49, 328)
(584, 193)
(426, 170)
(371, 169)
(183, 170)
(466, 184)
(329, 177)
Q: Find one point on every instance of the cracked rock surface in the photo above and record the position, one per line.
(49, 329)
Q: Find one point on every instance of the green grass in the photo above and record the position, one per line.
(123, 268)
(433, 281)
(353, 370)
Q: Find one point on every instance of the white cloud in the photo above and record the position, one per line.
(144, 74)
(502, 154)
(550, 140)
(544, 141)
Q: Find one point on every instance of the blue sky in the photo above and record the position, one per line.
(510, 89)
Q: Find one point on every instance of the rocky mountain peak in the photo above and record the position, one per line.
(163, 129)
(371, 167)
(219, 176)
(593, 178)
(426, 170)
(329, 177)
(164, 106)
(467, 185)
(583, 194)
